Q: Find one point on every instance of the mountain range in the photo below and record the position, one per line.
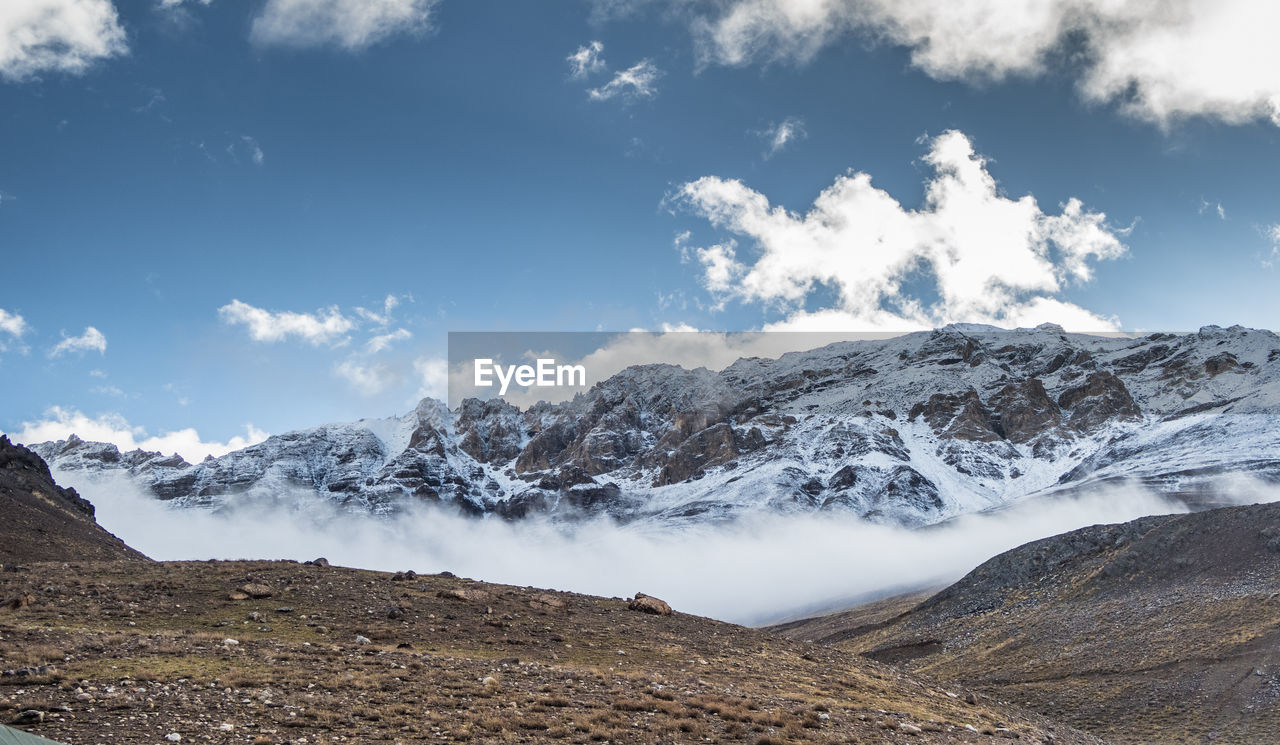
(910, 430)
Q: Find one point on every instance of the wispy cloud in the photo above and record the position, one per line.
(588, 60)
(92, 340)
(384, 341)
(325, 326)
(778, 136)
(62, 36)
(636, 82)
(348, 24)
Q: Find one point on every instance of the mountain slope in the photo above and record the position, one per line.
(326, 654)
(911, 430)
(1164, 629)
(41, 521)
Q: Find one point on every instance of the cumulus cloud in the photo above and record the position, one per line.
(588, 60)
(1159, 61)
(91, 340)
(992, 259)
(325, 326)
(59, 423)
(67, 36)
(636, 82)
(1272, 233)
(349, 24)
(778, 136)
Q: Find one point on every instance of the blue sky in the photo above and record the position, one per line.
(228, 193)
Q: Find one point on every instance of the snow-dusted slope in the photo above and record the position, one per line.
(911, 430)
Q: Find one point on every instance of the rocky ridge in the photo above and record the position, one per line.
(912, 430)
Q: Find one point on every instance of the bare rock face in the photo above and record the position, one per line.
(1101, 398)
(1024, 410)
(960, 416)
(490, 431)
(651, 605)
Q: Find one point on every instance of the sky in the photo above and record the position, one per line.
(221, 220)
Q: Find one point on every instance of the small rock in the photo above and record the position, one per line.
(320, 562)
(646, 604)
(173, 737)
(237, 595)
(230, 643)
(30, 716)
(362, 639)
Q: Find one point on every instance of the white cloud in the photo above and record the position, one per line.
(38, 36)
(433, 373)
(992, 259)
(1272, 233)
(381, 319)
(179, 3)
(1216, 207)
(589, 59)
(59, 423)
(369, 378)
(383, 341)
(322, 327)
(785, 132)
(91, 340)
(349, 24)
(12, 324)
(1160, 61)
(638, 81)
(249, 147)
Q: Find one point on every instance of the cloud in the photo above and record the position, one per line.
(991, 259)
(59, 423)
(433, 373)
(249, 148)
(755, 570)
(384, 318)
(91, 340)
(638, 81)
(67, 36)
(12, 324)
(785, 132)
(384, 341)
(1159, 61)
(167, 4)
(1272, 233)
(1217, 208)
(369, 378)
(349, 24)
(322, 327)
(588, 60)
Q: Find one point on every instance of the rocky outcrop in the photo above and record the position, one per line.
(46, 522)
(1102, 398)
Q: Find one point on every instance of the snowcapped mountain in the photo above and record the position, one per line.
(911, 430)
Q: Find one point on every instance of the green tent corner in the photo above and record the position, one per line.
(10, 736)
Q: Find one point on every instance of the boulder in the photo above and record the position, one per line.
(651, 605)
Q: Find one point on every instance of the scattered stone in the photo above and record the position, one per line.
(646, 604)
(362, 639)
(30, 716)
(237, 595)
(173, 737)
(284, 609)
(320, 562)
(467, 593)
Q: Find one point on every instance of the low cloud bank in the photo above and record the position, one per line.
(754, 571)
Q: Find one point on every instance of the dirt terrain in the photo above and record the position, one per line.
(281, 652)
(1161, 630)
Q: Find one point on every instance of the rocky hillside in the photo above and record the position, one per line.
(911, 430)
(1165, 629)
(41, 521)
(279, 652)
